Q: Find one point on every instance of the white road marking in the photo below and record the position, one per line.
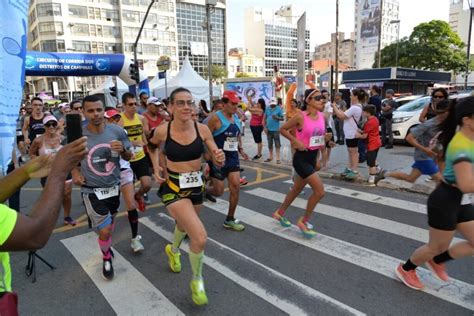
(385, 225)
(374, 198)
(254, 288)
(249, 285)
(129, 293)
(454, 291)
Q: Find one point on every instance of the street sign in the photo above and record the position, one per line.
(163, 63)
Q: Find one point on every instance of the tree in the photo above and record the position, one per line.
(431, 46)
(242, 75)
(218, 72)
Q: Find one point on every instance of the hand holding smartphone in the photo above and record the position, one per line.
(73, 127)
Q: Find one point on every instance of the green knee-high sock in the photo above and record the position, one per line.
(196, 263)
(177, 239)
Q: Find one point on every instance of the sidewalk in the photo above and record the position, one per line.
(400, 158)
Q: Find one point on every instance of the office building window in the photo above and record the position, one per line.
(130, 2)
(130, 31)
(48, 9)
(110, 15)
(150, 49)
(113, 48)
(110, 1)
(78, 11)
(80, 29)
(81, 46)
(131, 16)
(53, 46)
(50, 28)
(151, 18)
(110, 31)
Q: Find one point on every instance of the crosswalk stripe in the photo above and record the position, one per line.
(385, 225)
(304, 289)
(129, 293)
(249, 285)
(454, 291)
(374, 198)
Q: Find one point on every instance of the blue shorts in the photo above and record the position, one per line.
(426, 167)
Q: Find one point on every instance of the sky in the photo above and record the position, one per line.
(321, 16)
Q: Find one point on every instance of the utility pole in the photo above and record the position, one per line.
(209, 5)
(336, 81)
(468, 59)
(135, 45)
(379, 50)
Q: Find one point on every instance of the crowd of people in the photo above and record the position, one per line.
(189, 151)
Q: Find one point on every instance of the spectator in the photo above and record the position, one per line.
(256, 123)
(338, 123)
(376, 100)
(388, 106)
(429, 111)
(271, 125)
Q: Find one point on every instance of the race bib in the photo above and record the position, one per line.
(105, 193)
(231, 144)
(19, 133)
(136, 149)
(467, 199)
(315, 141)
(190, 180)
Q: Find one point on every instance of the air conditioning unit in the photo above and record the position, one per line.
(59, 33)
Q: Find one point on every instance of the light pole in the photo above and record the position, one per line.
(398, 39)
(379, 44)
(210, 4)
(468, 59)
(337, 50)
(135, 45)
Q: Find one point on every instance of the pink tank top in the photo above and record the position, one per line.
(256, 120)
(313, 131)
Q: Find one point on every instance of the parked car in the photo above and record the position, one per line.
(403, 100)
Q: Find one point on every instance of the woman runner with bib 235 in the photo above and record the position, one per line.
(182, 142)
(310, 137)
(450, 206)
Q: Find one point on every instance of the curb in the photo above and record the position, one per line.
(393, 184)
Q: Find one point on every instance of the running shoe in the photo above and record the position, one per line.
(345, 172)
(380, 175)
(306, 228)
(69, 221)
(174, 259)
(283, 220)
(146, 199)
(409, 278)
(257, 157)
(198, 292)
(107, 269)
(370, 184)
(140, 202)
(210, 198)
(234, 225)
(438, 269)
(136, 244)
(351, 175)
(243, 181)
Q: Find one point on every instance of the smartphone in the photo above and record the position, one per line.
(73, 127)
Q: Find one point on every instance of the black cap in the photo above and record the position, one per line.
(465, 107)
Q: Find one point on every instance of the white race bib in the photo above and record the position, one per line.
(467, 199)
(315, 141)
(190, 180)
(231, 144)
(105, 193)
(136, 149)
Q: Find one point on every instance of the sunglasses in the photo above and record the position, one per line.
(318, 98)
(77, 108)
(50, 125)
(438, 97)
(182, 103)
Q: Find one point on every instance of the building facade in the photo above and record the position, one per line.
(240, 64)
(459, 16)
(102, 27)
(192, 34)
(328, 50)
(272, 35)
(373, 20)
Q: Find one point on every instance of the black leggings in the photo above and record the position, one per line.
(257, 133)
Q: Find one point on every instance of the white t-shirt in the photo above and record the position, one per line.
(328, 109)
(353, 115)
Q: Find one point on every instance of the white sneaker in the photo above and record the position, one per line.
(136, 244)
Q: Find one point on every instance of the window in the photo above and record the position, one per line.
(150, 49)
(78, 11)
(131, 16)
(32, 17)
(151, 18)
(81, 46)
(80, 29)
(110, 15)
(112, 48)
(34, 34)
(51, 28)
(130, 2)
(130, 31)
(110, 31)
(53, 46)
(110, 1)
(48, 9)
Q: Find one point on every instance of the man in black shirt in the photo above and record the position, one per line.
(388, 106)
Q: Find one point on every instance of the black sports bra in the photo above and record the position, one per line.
(178, 153)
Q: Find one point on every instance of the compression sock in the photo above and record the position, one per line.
(105, 247)
(196, 264)
(178, 237)
(408, 266)
(443, 257)
(133, 220)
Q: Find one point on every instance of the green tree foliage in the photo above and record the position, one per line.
(431, 46)
(242, 75)
(219, 72)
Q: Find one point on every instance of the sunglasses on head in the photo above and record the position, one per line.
(52, 124)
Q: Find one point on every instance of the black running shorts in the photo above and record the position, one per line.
(257, 133)
(372, 158)
(445, 210)
(141, 168)
(304, 162)
(171, 192)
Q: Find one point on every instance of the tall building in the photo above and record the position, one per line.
(273, 35)
(459, 17)
(328, 50)
(192, 34)
(240, 64)
(368, 28)
(102, 27)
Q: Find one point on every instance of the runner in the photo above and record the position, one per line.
(182, 193)
(127, 189)
(225, 128)
(49, 144)
(137, 127)
(142, 107)
(309, 139)
(33, 124)
(99, 175)
(450, 206)
(420, 137)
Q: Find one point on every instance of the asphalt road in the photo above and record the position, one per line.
(348, 268)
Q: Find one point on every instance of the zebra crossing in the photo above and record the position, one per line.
(269, 269)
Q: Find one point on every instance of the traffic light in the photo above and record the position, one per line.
(113, 91)
(134, 72)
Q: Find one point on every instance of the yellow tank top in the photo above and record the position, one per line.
(134, 128)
